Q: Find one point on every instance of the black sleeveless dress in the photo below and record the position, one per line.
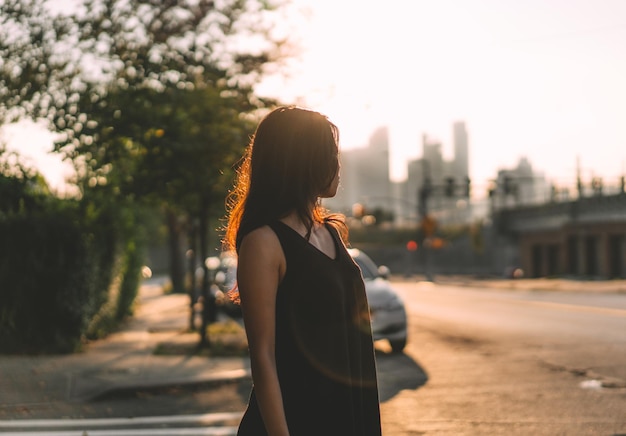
(324, 349)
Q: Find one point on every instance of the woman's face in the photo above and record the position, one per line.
(331, 190)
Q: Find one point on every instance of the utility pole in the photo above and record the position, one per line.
(579, 182)
(427, 222)
(450, 188)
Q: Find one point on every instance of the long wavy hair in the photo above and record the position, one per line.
(291, 160)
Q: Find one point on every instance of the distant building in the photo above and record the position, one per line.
(519, 186)
(584, 237)
(365, 176)
(365, 180)
(460, 164)
(448, 179)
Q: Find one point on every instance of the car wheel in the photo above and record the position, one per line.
(397, 345)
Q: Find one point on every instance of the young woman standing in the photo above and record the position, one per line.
(302, 296)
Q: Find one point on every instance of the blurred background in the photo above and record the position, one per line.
(478, 137)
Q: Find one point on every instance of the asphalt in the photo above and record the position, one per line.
(128, 361)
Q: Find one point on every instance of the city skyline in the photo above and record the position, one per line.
(541, 79)
(537, 79)
(450, 158)
(34, 145)
(366, 180)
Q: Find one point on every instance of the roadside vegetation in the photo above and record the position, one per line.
(152, 103)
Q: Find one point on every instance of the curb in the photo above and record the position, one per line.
(155, 386)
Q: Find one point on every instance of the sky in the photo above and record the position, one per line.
(540, 79)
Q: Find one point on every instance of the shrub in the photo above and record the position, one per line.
(70, 269)
(52, 278)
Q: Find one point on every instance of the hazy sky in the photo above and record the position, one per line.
(544, 79)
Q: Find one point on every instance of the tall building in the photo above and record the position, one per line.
(520, 186)
(365, 176)
(460, 164)
(365, 179)
(414, 181)
(432, 157)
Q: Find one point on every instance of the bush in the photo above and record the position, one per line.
(70, 271)
(52, 276)
(121, 296)
(70, 268)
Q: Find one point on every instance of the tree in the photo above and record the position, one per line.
(186, 144)
(36, 74)
(146, 96)
(61, 67)
(70, 68)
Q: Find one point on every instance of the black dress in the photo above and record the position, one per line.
(324, 349)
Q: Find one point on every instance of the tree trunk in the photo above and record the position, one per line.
(177, 269)
(192, 265)
(208, 302)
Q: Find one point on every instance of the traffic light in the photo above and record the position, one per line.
(449, 187)
(596, 185)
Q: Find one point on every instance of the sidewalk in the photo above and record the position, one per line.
(538, 284)
(121, 363)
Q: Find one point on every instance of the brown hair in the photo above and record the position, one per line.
(291, 160)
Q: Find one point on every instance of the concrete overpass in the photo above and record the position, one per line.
(581, 238)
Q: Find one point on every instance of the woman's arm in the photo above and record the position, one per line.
(260, 266)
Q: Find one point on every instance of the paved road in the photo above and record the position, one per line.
(509, 363)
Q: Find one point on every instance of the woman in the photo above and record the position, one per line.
(301, 294)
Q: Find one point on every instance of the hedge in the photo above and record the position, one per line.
(58, 266)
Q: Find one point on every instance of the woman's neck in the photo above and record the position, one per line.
(294, 221)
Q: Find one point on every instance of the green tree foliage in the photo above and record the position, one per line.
(61, 66)
(180, 146)
(151, 100)
(106, 73)
(36, 75)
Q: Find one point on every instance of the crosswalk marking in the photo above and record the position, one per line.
(179, 425)
(208, 431)
(207, 418)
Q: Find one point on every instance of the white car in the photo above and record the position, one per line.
(387, 312)
(388, 315)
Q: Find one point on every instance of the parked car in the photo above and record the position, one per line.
(387, 311)
(224, 273)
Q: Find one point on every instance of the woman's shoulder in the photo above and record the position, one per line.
(262, 240)
(261, 244)
(260, 250)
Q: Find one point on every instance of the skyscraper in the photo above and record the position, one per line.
(365, 176)
(460, 163)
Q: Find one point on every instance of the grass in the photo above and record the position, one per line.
(226, 339)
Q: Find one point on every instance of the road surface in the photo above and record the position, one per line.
(485, 362)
